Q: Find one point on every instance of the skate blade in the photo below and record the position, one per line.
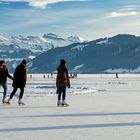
(62, 105)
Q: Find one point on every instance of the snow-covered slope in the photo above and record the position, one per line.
(75, 39)
(59, 41)
(104, 41)
(120, 52)
(34, 43)
(39, 44)
(3, 39)
(15, 48)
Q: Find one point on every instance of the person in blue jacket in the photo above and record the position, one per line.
(3, 78)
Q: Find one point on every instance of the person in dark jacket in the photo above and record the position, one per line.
(20, 78)
(117, 75)
(62, 81)
(3, 78)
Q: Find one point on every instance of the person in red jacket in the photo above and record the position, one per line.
(3, 78)
(20, 78)
(62, 81)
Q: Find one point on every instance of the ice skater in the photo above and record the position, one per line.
(20, 78)
(62, 81)
(3, 78)
(117, 75)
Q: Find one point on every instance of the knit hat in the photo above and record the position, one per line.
(24, 61)
(62, 62)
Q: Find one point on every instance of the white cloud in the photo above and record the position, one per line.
(3, 2)
(119, 14)
(40, 3)
(122, 13)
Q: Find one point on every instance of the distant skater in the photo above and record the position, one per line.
(62, 81)
(51, 75)
(3, 78)
(116, 75)
(44, 76)
(20, 78)
(30, 76)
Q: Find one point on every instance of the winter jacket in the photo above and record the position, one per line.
(4, 74)
(62, 77)
(20, 76)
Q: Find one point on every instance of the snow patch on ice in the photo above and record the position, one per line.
(82, 90)
(117, 83)
(46, 87)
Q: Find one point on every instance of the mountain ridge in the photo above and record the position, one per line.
(15, 48)
(98, 56)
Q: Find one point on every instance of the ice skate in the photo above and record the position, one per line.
(64, 103)
(8, 102)
(58, 103)
(3, 101)
(21, 103)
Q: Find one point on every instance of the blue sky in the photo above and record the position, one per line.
(90, 19)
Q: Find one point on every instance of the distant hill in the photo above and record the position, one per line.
(120, 53)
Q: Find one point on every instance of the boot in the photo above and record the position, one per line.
(64, 103)
(58, 103)
(3, 100)
(20, 102)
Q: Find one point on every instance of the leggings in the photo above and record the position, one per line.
(14, 91)
(62, 90)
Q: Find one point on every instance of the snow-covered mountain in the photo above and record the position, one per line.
(76, 39)
(120, 53)
(15, 48)
(58, 41)
(39, 44)
(52, 36)
(35, 44)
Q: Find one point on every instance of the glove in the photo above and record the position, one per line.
(57, 91)
(68, 85)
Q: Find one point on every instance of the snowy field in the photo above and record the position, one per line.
(102, 107)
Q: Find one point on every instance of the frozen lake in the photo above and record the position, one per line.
(84, 83)
(102, 107)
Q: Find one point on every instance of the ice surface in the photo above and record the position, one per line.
(102, 107)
